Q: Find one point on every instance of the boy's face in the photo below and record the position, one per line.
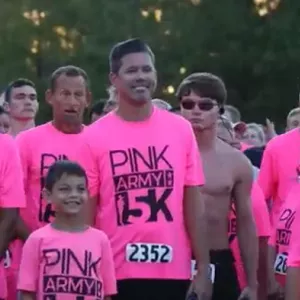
(69, 194)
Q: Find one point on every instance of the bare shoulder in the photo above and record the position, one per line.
(241, 165)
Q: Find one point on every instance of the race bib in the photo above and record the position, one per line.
(211, 271)
(280, 264)
(6, 260)
(149, 253)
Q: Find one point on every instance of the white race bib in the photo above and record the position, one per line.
(280, 264)
(211, 271)
(149, 253)
(6, 260)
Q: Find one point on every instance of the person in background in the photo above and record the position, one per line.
(111, 103)
(4, 121)
(293, 119)
(162, 104)
(22, 105)
(2, 98)
(53, 255)
(152, 224)
(232, 114)
(96, 111)
(11, 199)
(229, 178)
(69, 96)
(254, 135)
(292, 261)
(225, 132)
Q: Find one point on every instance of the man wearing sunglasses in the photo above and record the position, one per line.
(228, 180)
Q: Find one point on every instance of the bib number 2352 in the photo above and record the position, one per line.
(149, 253)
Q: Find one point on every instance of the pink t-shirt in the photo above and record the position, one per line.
(139, 169)
(39, 148)
(278, 172)
(263, 228)
(281, 233)
(62, 265)
(11, 187)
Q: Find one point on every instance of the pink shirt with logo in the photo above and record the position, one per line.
(62, 265)
(140, 169)
(281, 233)
(294, 245)
(263, 228)
(278, 172)
(11, 188)
(39, 148)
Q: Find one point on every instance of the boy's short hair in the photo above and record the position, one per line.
(60, 168)
(204, 85)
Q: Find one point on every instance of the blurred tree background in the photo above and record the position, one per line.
(252, 44)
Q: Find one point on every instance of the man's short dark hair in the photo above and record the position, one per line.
(69, 71)
(20, 82)
(204, 85)
(97, 108)
(124, 48)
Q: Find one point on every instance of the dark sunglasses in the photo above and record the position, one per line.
(205, 105)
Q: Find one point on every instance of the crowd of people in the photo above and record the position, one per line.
(148, 201)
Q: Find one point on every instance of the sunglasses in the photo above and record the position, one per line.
(205, 105)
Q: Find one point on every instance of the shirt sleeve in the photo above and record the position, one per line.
(267, 178)
(260, 212)
(107, 269)
(88, 160)
(11, 176)
(194, 174)
(29, 266)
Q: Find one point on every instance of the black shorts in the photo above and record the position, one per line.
(226, 284)
(152, 289)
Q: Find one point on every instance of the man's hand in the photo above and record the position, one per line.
(248, 294)
(201, 286)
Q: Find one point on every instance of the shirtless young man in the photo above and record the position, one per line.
(228, 178)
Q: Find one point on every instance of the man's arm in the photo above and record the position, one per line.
(195, 221)
(292, 287)
(27, 295)
(8, 217)
(246, 230)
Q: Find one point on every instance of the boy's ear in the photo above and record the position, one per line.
(46, 195)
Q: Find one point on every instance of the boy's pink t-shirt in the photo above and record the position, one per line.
(11, 188)
(279, 168)
(62, 265)
(263, 228)
(140, 169)
(282, 231)
(39, 148)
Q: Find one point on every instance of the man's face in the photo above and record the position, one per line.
(23, 104)
(293, 122)
(136, 79)
(203, 113)
(69, 99)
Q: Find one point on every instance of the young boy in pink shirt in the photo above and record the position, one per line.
(67, 259)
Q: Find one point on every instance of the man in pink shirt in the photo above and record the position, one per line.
(280, 168)
(229, 180)
(292, 264)
(60, 139)
(21, 104)
(145, 174)
(11, 198)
